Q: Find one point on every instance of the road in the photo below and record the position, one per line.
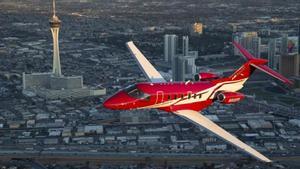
(112, 157)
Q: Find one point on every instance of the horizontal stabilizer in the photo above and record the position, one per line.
(272, 73)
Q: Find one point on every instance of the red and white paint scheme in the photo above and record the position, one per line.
(187, 99)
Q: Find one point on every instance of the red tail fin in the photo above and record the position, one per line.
(258, 64)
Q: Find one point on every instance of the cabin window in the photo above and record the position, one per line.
(195, 96)
(189, 95)
(175, 97)
(182, 96)
(169, 97)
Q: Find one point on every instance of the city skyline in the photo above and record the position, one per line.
(78, 132)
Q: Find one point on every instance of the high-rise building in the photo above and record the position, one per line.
(250, 41)
(170, 47)
(299, 39)
(234, 27)
(284, 44)
(54, 85)
(289, 58)
(292, 44)
(289, 64)
(299, 46)
(185, 45)
(256, 44)
(289, 44)
(183, 65)
(196, 29)
(278, 47)
(190, 66)
(236, 38)
(178, 68)
(272, 54)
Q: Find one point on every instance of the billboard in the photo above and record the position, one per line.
(292, 44)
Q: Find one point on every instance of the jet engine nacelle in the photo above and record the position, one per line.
(205, 76)
(230, 97)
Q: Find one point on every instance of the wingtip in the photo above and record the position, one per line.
(129, 42)
(268, 161)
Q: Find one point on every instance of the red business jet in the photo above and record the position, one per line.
(187, 99)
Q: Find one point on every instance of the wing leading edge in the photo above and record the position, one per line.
(201, 120)
(150, 72)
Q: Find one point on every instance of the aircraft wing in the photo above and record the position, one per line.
(201, 120)
(150, 72)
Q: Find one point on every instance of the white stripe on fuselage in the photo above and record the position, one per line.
(230, 86)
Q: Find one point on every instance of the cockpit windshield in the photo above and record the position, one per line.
(133, 91)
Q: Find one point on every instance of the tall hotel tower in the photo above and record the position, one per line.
(54, 85)
(55, 24)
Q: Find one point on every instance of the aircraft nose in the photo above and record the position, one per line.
(107, 104)
(111, 103)
(118, 102)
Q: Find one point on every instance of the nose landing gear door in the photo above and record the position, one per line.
(159, 97)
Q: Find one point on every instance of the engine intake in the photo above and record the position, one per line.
(205, 76)
(230, 97)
